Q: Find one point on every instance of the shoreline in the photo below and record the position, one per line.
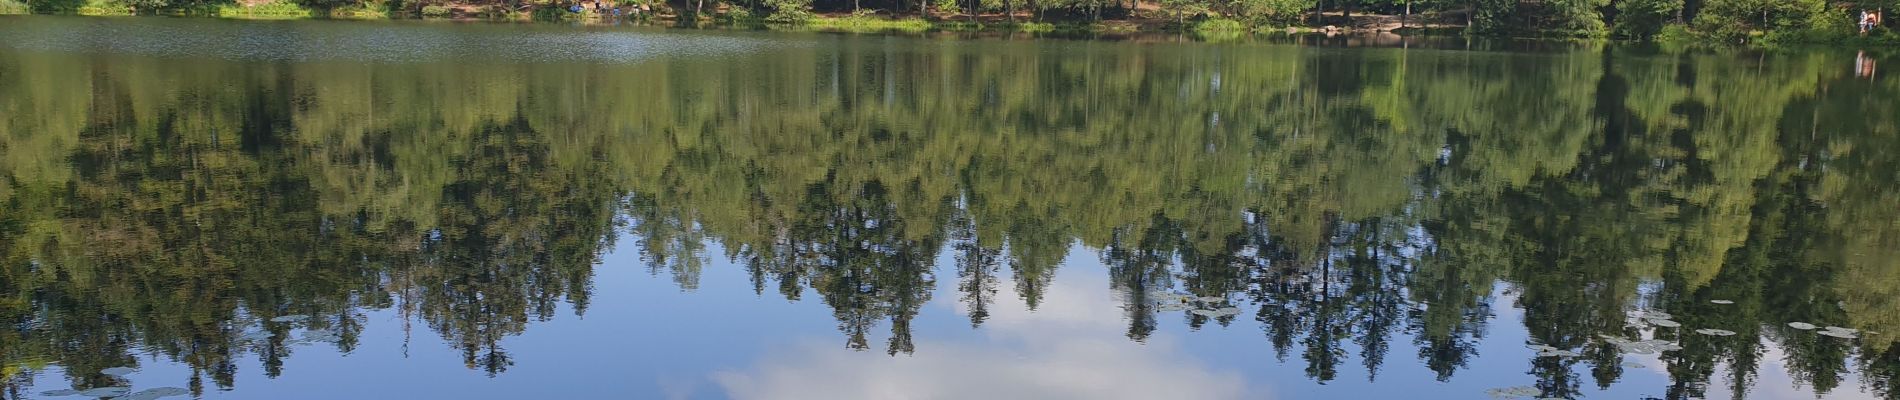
(1212, 29)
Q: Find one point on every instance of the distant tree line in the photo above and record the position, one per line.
(1730, 20)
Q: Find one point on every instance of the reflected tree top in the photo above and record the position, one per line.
(1339, 201)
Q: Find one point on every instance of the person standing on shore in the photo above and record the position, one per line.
(1868, 20)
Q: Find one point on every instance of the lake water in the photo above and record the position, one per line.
(359, 210)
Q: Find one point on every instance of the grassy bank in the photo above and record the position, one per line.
(273, 10)
(865, 23)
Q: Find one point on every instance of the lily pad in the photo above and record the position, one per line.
(1802, 326)
(1514, 392)
(118, 371)
(1211, 299)
(1654, 315)
(1633, 364)
(157, 393)
(1722, 301)
(109, 391)
(1641, 348)
(291, 318)
(59, 392)
(320, 335)
(1228, 310)
(1838, 334)
(1664, 323)
(1204, 313)
(1557, 353)
(1840, 329)
(1715, 332)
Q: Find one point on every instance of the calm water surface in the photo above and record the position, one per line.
(331, 210)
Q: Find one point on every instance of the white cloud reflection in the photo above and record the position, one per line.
(1070, 348)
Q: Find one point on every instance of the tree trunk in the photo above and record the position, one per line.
(1349, 5)
(1009, 11)
(1319, 12)
(1471, 15)
(1403, 18)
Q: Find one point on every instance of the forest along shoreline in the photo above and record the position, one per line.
(1741, 22)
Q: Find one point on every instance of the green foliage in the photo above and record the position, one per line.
(1645, 19)
(1183, 10)
(1738, 19)
(435, 11)
(279, 9)
(13, 7)
(1219, 25)
(54, 6)
(1275, 13)
(868, 23)
(366, 11)
(135, 6)
(111, 7)
(790, 11)
(1676, 34)
(1514, 17)
(553, 12)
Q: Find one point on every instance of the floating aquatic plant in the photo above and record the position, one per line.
(1633, 364)
(291, 318)
(1663, 323)
(1513, 392)
(59, 392)
(1838, 334)
(118, 371)
(1654, 315)
(109, 391)
(157, 393)
(1643, 347)
(1637, 348)
(1840, 329)
(1722, 301)
(1802, 326)
(1715, 332)
(1557, 353)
